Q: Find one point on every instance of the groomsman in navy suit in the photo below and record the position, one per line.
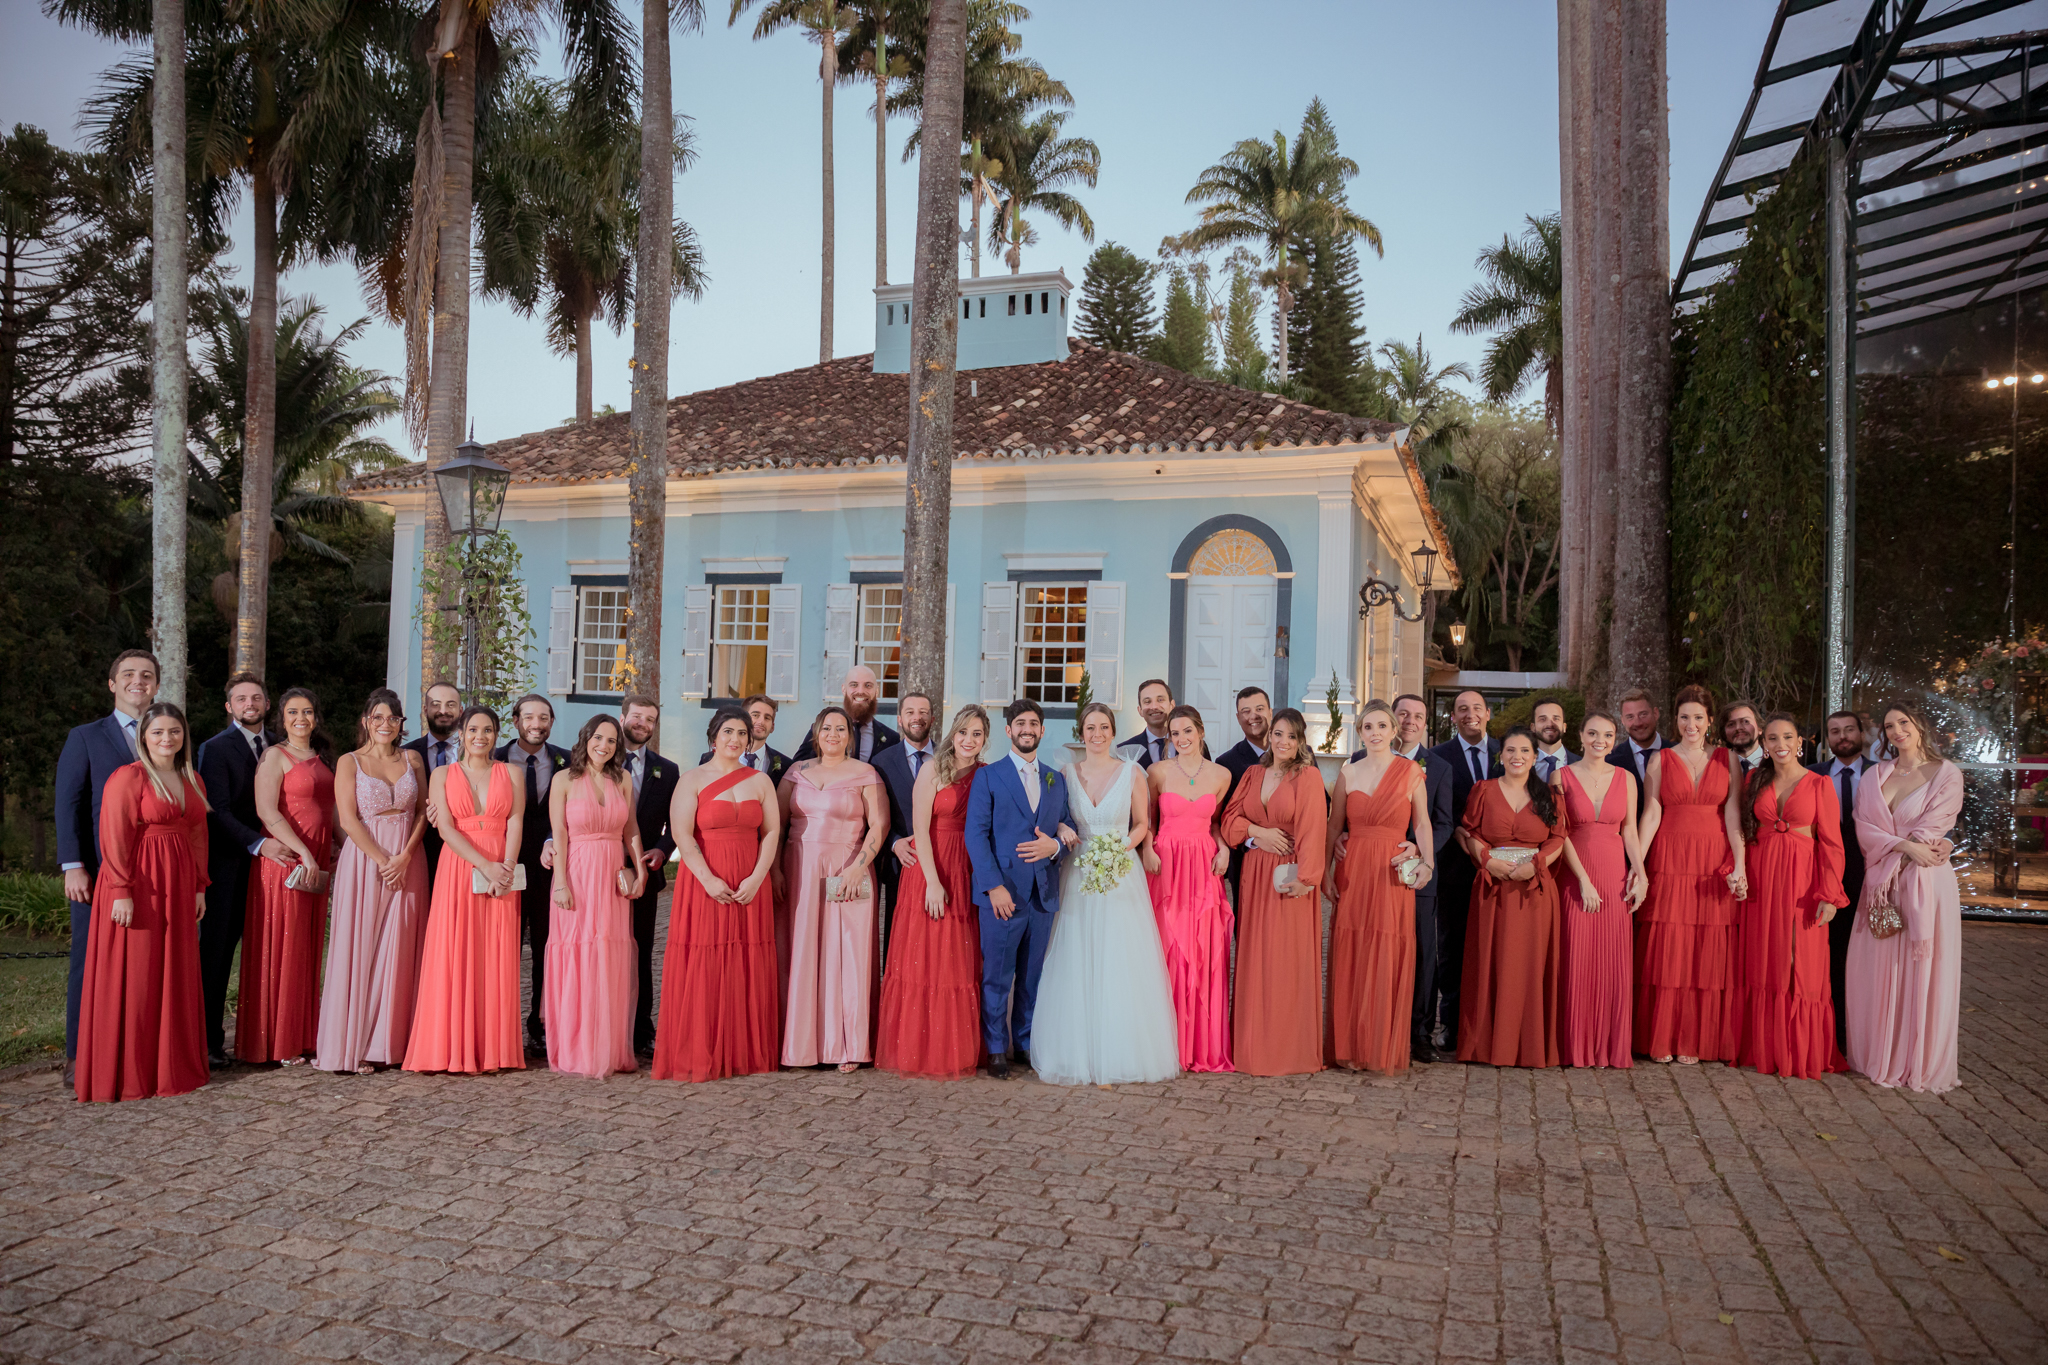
(899, 765)
(1150, 745)
(1547, 722)
(1473, 759)
(1638, 747)
(1411, 714)
(92, 753)
(1844, 768)
(654, 786)
(1014, 810)
(438, 746)
(234, 840)
(534, 763)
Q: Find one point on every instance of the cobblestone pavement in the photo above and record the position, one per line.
(1458, 1212)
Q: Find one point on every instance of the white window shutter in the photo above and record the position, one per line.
(842, 618)
(951, 671)
(785, 632)
(998, 642)
(1105, 648)
(562, 641)
(697, 640)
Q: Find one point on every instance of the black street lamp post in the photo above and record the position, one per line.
(472, 487)
(1377, 592)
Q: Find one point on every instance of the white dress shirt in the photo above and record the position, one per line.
(1477, 759)
(538, 761)
(1752, 758)
(919, 755)
(636, 764)
(1835, 771)
(1548, 761)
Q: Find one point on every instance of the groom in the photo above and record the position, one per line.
(1014, 810)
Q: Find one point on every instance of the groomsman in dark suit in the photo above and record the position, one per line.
(1473, 758)
(534, 763)
(1254, 718)
(438, 746)
(654, 784)
(1150, 745)
(1547, 722)
(759, 756)
(899, 765)
(1844, 767)
(1411, 716)
(859, 694)
(1640, 740)
(92, 753)
(235, 839)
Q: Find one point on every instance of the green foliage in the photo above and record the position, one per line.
(1115, 307)
(1519, 711)
(487, 577)
(1500, 498)
(32, 904)
(1183, 338)
(1325, 333)
(1330, 697)
(1033, 162)
(1084, 693)
(1522, 303)
(1748, 459)
(1244, 359)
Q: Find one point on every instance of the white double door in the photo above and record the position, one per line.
(1229, 648)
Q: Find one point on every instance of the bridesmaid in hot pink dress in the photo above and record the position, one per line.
(833, 808)
(277, 1011)
(467, 1018)
(1903, 991)
(592, 978)
(1185, 858)
(1595, 1024)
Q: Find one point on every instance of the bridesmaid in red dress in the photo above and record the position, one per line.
(931, 991)
(1605, 890)
(141, 1027)
(277, 1015)
(1781, 1003)
(1691, 831)
(467, 1015)
(1507, 1009)
(719, 995)
(1378, 798)
(1185, 859)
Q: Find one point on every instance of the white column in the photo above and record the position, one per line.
(1336, 612)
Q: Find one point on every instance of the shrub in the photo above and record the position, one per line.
(32, 904)
(1518, 711)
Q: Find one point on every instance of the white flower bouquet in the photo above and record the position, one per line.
(1104, 862)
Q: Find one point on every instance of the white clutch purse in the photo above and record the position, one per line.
(1286, 875)
(479, 887)
(865, 891)
(1514, 857)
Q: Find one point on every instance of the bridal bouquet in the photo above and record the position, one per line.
(1104, 862)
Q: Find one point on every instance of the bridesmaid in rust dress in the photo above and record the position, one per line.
(1600, 898)
(1280, 816)
(1372, 939)
(718, 990)
(931, 992)
(1507, 1007)
(277, 1016)
(141, 1029)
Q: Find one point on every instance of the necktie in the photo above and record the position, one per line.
(1846, 782)
(1548, 765)
(916, 763)
(532, 781)
(440, 753)
(1472, 751)
(256, 743)
(1158, 749)
(1030, 771)
(633, 767)
(749, 761)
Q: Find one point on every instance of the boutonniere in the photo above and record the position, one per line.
(654, 771)
(1049, 780)
(560, 761)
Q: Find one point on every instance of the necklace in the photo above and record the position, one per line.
(1184, 770)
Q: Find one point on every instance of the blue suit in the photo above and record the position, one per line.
(999, 817)
(92, 753)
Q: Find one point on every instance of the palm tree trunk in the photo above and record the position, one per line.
(1575, 90)
(447, 387)
(978, 187)
(1283, 304)
(583, 402)
(259, 433)
(828, 74)
(653, 290)
(882, 152)
(934, 351)
(168, 362)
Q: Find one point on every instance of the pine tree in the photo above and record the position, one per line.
(1324, 330)
(1244, 359)
(1116, 300)
(1183, 337)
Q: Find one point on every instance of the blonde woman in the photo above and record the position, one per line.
(142, 1030)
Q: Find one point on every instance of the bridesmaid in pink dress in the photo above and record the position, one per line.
(467, 1018)
(380, 897)
(1596, 1026)
(833, 807)
(592, 983)
(1185, 858)
(277, 1011)
(1903, 991)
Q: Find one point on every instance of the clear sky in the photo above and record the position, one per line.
(1450, 109)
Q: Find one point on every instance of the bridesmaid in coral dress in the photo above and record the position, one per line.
(141, 1026)
(467, 1018)
(837, 815)
(277, 1015)
(1904, 990)
(380, 896)
(591, 987)
(931, 993)
(1507, 1005)
(1691, 833)
(1601, 896)
(1185, 859)
(1280, 816)
(1372, 938)
(1783, 1009)
(718, 993)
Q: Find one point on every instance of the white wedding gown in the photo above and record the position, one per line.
(1105, 1007)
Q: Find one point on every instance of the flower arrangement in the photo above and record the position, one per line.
(1104, 862)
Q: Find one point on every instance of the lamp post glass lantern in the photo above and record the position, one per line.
(1376, 591)
(472, 487)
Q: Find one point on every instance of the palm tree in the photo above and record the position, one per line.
(1522, 303)
(1035, 163)
(866, 48)
(558, 212)
(1418, 393)
(1277, 197)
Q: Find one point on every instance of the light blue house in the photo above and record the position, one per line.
(1109, 514)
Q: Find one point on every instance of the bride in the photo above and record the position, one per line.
(1105, 1009)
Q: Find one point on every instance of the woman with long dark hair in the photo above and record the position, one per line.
(277, 1015)
(1781, 1003)
(591, 983)
(1601, 897)
(1513, 831)
(141, 1027)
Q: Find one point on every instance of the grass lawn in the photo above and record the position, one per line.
(31, 1001)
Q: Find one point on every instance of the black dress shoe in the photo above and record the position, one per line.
(218, 1061)
(1421, 1052)
(999, 1069)
(70, 1074)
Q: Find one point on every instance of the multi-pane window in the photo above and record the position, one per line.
(880, 642)
(739, 641)
(600, 637)
(1052, 641)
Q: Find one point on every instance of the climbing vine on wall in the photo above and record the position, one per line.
(1748, 455)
